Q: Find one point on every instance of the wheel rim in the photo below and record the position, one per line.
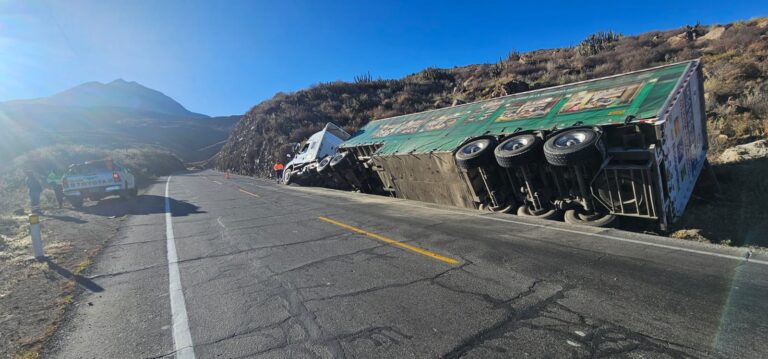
(474, 147)
(324, 163)
(515, 143)
(336, 159)
(570, 139)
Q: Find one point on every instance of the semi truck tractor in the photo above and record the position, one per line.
(308, 155)
(628, 145)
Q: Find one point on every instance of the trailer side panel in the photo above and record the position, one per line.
(683, 143)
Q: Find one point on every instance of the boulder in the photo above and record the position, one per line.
(748, 151)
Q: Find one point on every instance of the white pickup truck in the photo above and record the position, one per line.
(95, 180)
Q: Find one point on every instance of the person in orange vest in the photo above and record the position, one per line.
(278, 171)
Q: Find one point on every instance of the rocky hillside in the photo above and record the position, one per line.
(118, 114)
(735, 61)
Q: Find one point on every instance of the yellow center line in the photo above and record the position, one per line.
(393, 242)
(248, 193)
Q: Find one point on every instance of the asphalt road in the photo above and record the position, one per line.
(274, 271)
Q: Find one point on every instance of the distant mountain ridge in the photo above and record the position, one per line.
(117, 114)
(118, 93)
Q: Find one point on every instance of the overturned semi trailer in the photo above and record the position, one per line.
(626, 145)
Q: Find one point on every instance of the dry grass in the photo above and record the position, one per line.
(28, 354)
(82, 266)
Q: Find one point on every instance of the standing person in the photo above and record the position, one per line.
(34, 191)
(54, 182)
(278, 171)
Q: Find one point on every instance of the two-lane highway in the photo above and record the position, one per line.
(209, 267)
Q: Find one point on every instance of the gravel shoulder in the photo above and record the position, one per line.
(34, 296)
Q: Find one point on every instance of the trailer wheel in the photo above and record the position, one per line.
(338, 162)
(578, 146)
(518, 150)
(324, 164)
(576, 216)
(475, 153)
(526, 211)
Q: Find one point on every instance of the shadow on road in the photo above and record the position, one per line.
(142, 205)
(80, 280)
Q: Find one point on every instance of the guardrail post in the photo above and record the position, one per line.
(37, 240)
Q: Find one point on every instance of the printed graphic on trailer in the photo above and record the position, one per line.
(386, 129)
(442, 122)
(529, 109)
(683, 151)
(595, 99)
(482, 112)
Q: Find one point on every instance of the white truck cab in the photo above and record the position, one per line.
(324, 143)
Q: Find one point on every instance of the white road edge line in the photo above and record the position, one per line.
(182, 338)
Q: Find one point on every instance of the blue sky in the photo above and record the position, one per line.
(222, 57)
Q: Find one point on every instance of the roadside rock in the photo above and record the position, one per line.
(715, 33)
(747, 151)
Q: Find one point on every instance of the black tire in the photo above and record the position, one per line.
(526, 211)
(324, 165)
(576, 216)
(475, 153)
(135, 192)
(340, 161)
(76, 202)
(572, 147)
(287, 174)
(518, 150)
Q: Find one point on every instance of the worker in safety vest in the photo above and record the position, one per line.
(278, 171)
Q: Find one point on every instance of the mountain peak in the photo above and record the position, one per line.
(122, 82)
(118, 93)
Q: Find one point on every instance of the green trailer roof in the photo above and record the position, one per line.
(604, 101)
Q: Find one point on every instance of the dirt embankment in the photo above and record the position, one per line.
(34, 295)
(732, 210)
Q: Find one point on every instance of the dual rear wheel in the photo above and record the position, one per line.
(574, 147)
